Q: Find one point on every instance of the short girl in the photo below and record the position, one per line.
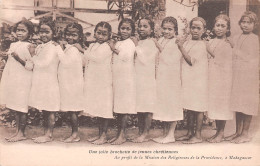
(168, 81)
(145, 77)
(124, 77)
(220, 76)
(45, 93)
(98, 92)
(16, 79)
(245, 89)
(194, 79)
(70, 75)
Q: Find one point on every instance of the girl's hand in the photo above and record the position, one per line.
(135, 40)
(79, 47)
(230, 41)
(62, 44)
(157, 44)
(112, 44)
(31, 49)
(180, 41)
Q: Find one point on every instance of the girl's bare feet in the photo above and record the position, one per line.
(119, 141)
(42, 139)
(165, 140)
(241, 139)
(18, 137)
(91, 139)
(15, 134)
(140, 139)
(193, 140)
(72, 139)
(184, 138)
(101, 140)
(111, 140)
(231, 137)
(217, 139)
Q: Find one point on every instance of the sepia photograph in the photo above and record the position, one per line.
(129, 82)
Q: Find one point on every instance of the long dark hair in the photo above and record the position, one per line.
(105, 25)
(150, 22)
(79, 28)
(129, 21)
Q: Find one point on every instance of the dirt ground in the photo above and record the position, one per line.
(57, 153)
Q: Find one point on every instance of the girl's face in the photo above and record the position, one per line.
(197, 29)
(221, 28)
(144, 29)
(46, 33)
(72, 35)
(125, 30)
(246, 25)
(22, 32)
(168, 30)
(102, 35)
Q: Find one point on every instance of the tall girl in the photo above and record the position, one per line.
(245, 89)
(124, 77)
(168, 81)
(220, 76)
(194, 79)
(16, 79)
(98, 92)
(145, 77)
(70, 75)
(45, 93)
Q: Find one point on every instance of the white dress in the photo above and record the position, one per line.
(168, 83)
(70, 75)
(245, 88)
(147, 53)
(124, 87)
(220, 80)
(195, 77)
(16, 80)
(45, 93)
(98, 92)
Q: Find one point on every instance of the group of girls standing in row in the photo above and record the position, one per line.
(150, 78)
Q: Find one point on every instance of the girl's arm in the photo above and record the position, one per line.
(184, 53)
(112, 44)
(135, 40)
(27, 63)
(17, 58)
(211, 53)
(78, 46)
(158, 45)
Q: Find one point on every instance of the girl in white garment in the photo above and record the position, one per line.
(220, 76)
(70, 75)
(45, 93)
(145, 61)
(98, 92)
(168, 81)
(123, 77)
(16, 79)
(194, 79)
(245, 86)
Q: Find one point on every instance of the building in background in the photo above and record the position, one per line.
(90, 12)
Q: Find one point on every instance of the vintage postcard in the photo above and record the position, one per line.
(129, 82)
